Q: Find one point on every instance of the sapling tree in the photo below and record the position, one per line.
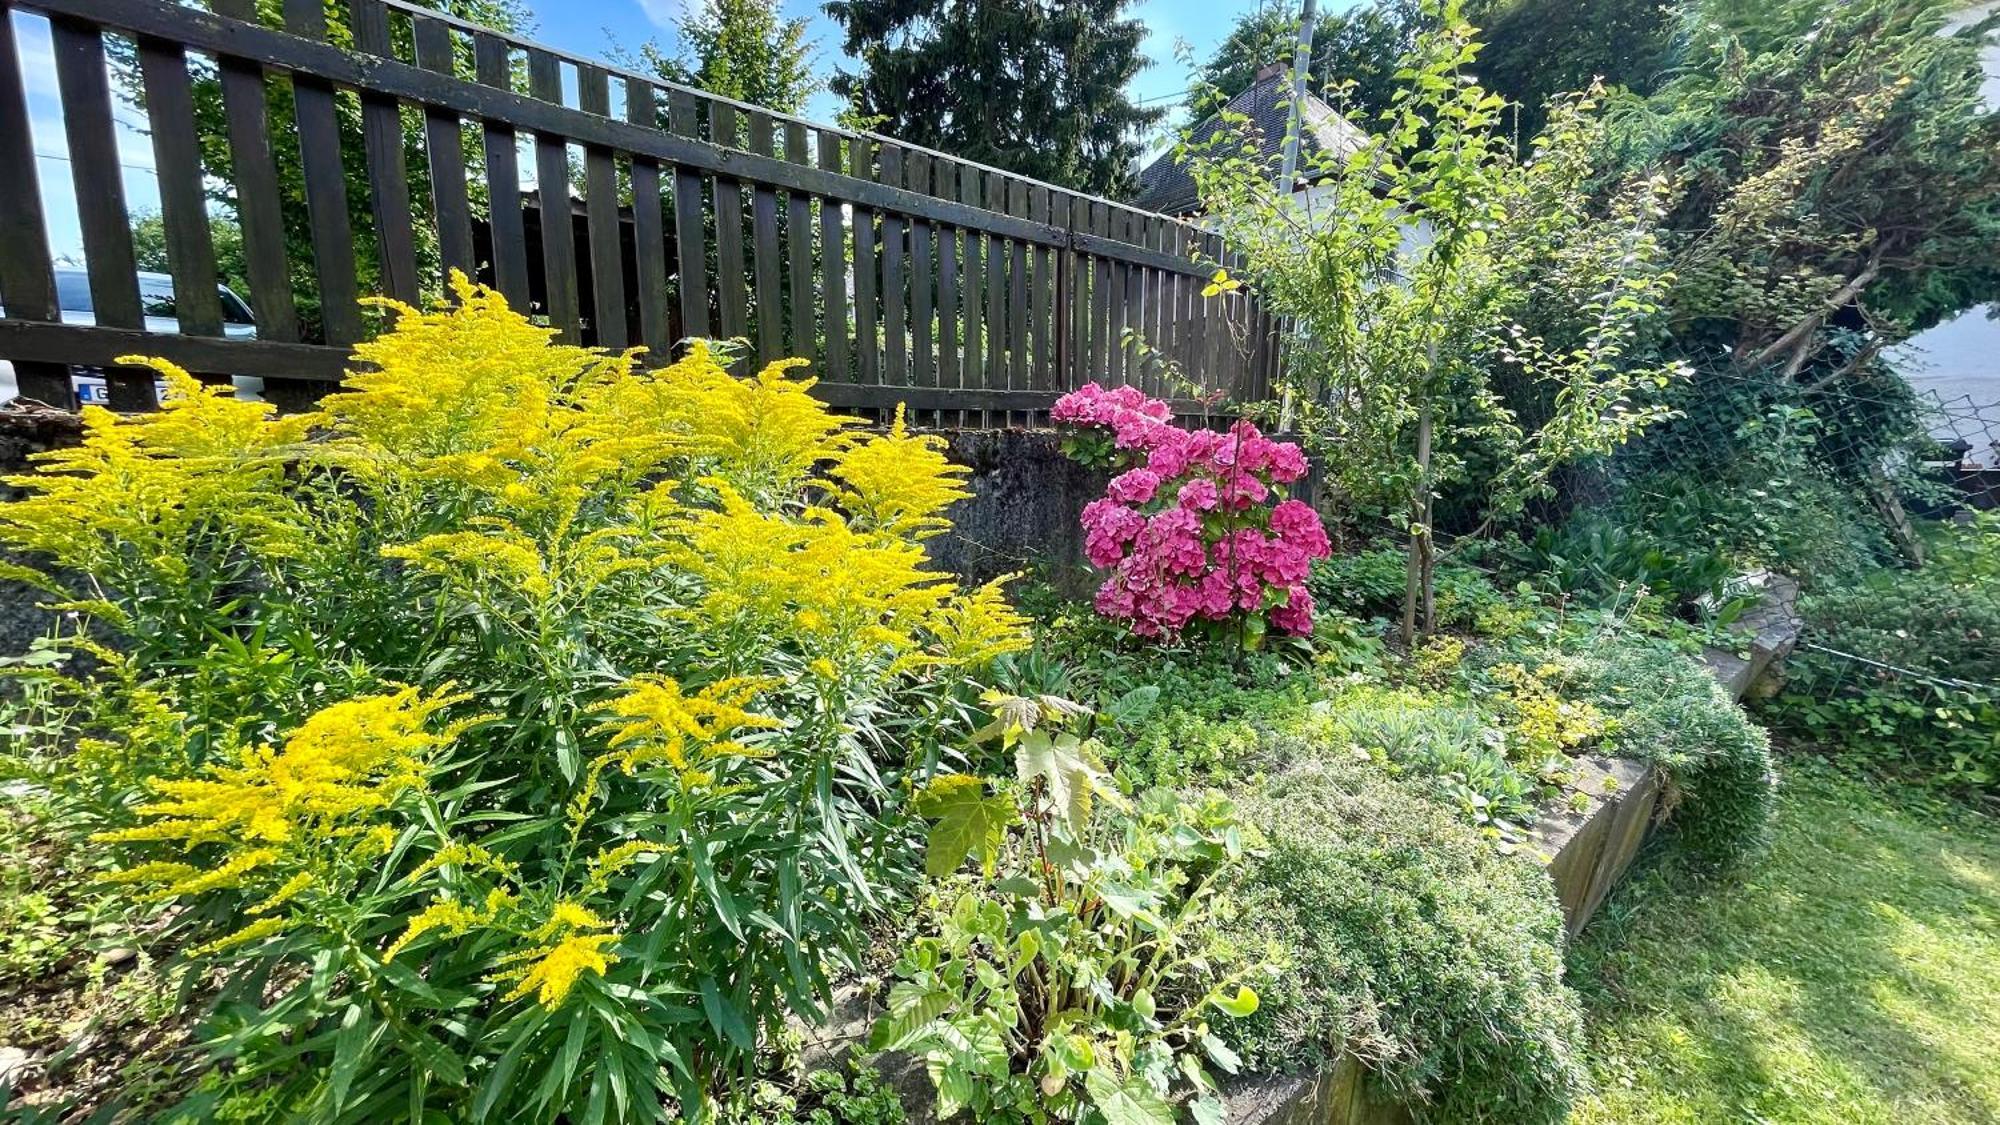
(1448, 295)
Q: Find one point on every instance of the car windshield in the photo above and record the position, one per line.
(156, 297)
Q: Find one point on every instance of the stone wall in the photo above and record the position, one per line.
(24, 431)
(1027, 501)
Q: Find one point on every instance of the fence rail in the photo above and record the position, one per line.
(374, 145)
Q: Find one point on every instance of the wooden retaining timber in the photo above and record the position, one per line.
(658, 212)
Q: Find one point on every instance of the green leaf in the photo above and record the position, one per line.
(1129, 1102)
(724, 1015)
(1219, 1053)
(347, 1051)
(912, 1009)
(1239, 1005)
(1133, 706)
(969, 823)
(1063, 765)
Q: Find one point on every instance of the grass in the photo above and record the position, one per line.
(1853, 976)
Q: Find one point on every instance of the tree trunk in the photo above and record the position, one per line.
(1798, 340)
(1418, 585)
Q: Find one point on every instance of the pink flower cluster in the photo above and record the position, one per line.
(1188, 530)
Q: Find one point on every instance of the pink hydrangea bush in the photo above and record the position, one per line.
(1194, 527)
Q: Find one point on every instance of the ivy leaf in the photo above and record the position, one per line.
(968, 823)
(1132, 1101)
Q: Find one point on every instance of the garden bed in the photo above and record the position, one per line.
(751, 750)
(1587, 851)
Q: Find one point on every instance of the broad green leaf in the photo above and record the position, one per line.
(954, 1086)
(1064, 766)
(912, 1009)
(1133, 706)
(968, 823)
(1220, 1054)
(1128, 1102)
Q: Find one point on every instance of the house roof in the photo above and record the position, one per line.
(1166, 186)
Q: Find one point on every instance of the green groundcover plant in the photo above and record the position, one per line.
(1416, 945)
(521, 736)
(1902, 675)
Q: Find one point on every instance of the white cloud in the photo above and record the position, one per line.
(664, 14)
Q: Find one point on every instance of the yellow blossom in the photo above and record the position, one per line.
(464, 855)
(255, 931)
(661, 723)
(498, 553)
(975, 628)
(566, 915)
(898, 484)
(282, 819)
(289, 890)
(565, 951)
(551, 971)
(610, 861)
(761, 434)
(352, 757)
(840, 592)
(454, 918)
(135, 497)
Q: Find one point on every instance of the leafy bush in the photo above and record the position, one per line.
(1073, 975)
(1203, 704)
(528, 743)
(1194, 528)
(1761, 473)
(1599, 557)
(1928, 706)
(1415, 944)
(1371, 585)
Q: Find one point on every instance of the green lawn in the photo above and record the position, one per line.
(1852, 977)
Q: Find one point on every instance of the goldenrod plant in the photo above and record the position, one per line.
(524, 736)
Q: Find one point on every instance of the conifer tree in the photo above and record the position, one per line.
(1033, 86)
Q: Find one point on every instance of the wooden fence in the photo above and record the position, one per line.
(905, 275)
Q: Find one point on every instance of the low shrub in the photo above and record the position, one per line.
(1205, 706)
(1414, 944)
(529, 742)
(1442, 742)
(1599, 559)
(1922, 701)
(1370, 585)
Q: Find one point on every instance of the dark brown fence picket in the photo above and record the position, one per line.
(656, 213)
